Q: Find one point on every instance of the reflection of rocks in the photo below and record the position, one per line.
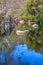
(7, 42)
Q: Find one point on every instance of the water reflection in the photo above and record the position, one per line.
(22, 55)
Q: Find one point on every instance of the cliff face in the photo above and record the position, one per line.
(11, 6)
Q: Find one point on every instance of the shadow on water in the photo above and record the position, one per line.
(21, 55)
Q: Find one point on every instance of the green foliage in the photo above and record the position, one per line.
(34, 12)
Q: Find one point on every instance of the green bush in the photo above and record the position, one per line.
(34, 11)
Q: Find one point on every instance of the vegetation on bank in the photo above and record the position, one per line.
(33, 13)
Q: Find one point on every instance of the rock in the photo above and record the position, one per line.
(22, 22)
(2, 11)
(29, 22)
(19, 32)
(34, 25)
(8, 25)
(26, 30)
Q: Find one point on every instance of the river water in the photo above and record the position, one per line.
(21, 55)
